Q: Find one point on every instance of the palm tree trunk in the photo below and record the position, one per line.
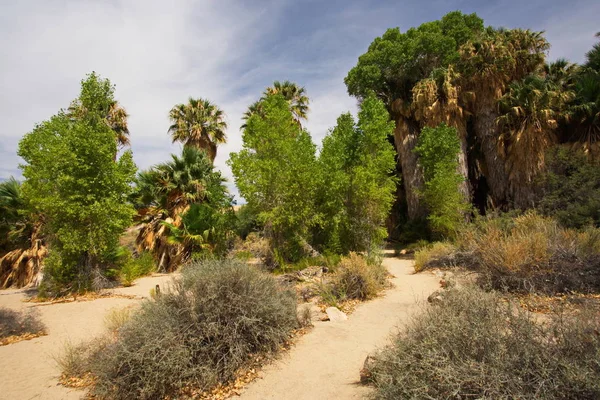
(463, 166)
(405, 138)
(495, 173)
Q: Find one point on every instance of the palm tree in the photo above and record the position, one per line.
(593, 56)
(200, 124)
(166, 192)
(436, 100)
(487, 67)
(22, 248)
(583, 116)
(253, 109)
(529, 115)
(295, 96)
(114, 116)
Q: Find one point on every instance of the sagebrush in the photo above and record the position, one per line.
(195, 336)
(473, 345)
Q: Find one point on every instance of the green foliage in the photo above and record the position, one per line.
(474, 345)
(132, 268)
(570, 189)
(396, 61)
(73, 179)
(15, 219)
(218, 317)
(275, 172)
(438, 150)
(356, 189)
(247, 221)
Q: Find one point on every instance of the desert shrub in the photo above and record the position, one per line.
(117, 317)
(254, 244)
(13, 323)
(214, 318)
(533, 253)
(438, 254)
(355, 278)
(473, 345)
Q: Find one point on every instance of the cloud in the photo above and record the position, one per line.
(158, 54)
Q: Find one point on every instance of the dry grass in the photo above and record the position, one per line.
(474, 345)
(439, 254)
(532, 253)
(355, 278)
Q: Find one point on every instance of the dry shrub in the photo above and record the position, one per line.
(356, 278)
(532, 253)
(216, 317)
(14, 323)
(436, 255)
(473, 345)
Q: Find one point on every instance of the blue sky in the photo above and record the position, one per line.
(159, 53)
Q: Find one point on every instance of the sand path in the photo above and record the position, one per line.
(325, 363)
(27, 368)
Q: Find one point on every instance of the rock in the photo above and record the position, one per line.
(436, 297)
(403, 252)
(365, 372)
(335, 315)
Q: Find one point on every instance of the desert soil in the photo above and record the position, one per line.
(323, 364)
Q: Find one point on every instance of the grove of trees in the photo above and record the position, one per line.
(455, 119)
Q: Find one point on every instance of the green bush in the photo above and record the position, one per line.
(13, 323)
(570, 190)
(473, 345)
(136, 267)
(216, 317)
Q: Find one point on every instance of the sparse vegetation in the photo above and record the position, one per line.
(474, 345)
(355, 278)
(218, 315)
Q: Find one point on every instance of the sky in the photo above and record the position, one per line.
(159, 53)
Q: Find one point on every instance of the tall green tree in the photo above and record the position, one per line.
(72, 178)
(275, 172)
(438, 150)
(357, 185)
(113, 114)
(393, 65)
(200, 124)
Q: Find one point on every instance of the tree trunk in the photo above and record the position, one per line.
(486, 131)
(405, 138)
(463, 168)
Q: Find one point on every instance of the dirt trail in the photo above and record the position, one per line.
(27, 368)
(325, 363)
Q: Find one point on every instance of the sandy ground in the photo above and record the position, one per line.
(27, 368)
(325, 363)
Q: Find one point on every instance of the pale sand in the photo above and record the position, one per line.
(323, 364)
(27, 368)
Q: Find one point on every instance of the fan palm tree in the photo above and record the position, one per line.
(115, 118)
(583, 115)
(253, 109)
(166, 192)
(436, 100)
(593, 56)
(295, 96)
(22, 249)
(487, 67)
(529, 118)
(200, 124)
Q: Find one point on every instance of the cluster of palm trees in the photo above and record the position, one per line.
(166, 192)
(508, 105)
